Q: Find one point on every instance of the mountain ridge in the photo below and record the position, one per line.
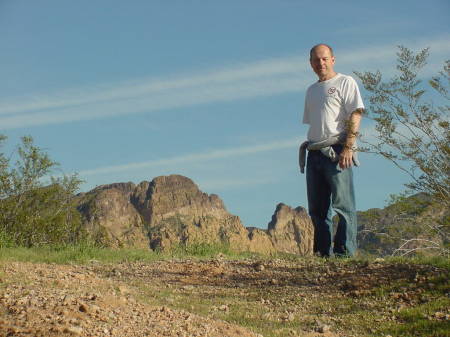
(172, 210)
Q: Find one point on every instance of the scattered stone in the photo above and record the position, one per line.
(34, 305)
(220, 256)
(289, 317)
(64, 312)
(93, 297)
(440, 315)
(123, 289)
(83, 307)
(115, 272)
(74, 330)
(259, 266)
(95, 308)
(224, 307)
(323, 328)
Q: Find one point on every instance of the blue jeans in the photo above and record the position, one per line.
(329, 187)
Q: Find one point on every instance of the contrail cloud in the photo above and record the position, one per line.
(263, 78)
(197, 157)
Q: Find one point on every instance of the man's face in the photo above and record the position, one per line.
(322, 63)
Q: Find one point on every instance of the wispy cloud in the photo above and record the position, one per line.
(197, 157)
(262, 78)
(138, 88)
(156, 101)
(233, 183)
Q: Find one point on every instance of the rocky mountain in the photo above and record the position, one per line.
(171, 210)
(408, 224)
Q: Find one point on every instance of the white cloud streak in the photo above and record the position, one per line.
(156, 101)
(138, 88)
(263, 78)
(197, 157)
(232, 183)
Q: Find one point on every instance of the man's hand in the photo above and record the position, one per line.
(346, 158)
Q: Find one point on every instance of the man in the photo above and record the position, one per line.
(333, 108)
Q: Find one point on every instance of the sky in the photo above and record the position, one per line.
(120, 91)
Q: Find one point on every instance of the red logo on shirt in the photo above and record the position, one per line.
(332, 90)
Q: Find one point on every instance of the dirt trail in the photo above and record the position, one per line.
(160, 298)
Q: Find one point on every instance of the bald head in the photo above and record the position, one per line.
(313, 49)
(322, 61)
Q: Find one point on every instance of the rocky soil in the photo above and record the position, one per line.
(56, 300)
(183, 297)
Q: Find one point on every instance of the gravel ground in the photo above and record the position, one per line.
(190, 297)
(58, 300)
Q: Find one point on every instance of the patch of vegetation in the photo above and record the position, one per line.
(411, 129)
(293, 305)
(409, 225)
(86, 252)
(424, 320)
(417, 307)
(80, 254)
(33, 213)
(430, 318)
(412, 122)
(436, 261)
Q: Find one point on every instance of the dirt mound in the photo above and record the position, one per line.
(58, 300)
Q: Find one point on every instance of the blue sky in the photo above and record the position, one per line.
(129, 90)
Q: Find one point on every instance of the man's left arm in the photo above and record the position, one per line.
(346, 157)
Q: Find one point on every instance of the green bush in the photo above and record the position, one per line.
(33, 213)
(411, 122)
(410, 225)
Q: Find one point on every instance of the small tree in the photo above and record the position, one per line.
(412, 131)
(31, 213)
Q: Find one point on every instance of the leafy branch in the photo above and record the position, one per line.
(411, 131)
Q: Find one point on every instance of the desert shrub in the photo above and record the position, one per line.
(411, 124)
(36, 209)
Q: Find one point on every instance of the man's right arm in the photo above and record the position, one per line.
(353, 127)
(346, 157)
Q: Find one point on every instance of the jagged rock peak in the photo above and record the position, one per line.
(109, 216)
(180, 191)
(284, 213)
(291, 230)
(172, 182)
(172, 210)
(126, 188)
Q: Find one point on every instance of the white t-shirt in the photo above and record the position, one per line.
(329, 104)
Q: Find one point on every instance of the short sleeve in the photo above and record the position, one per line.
(305, 114)
(352, 96)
